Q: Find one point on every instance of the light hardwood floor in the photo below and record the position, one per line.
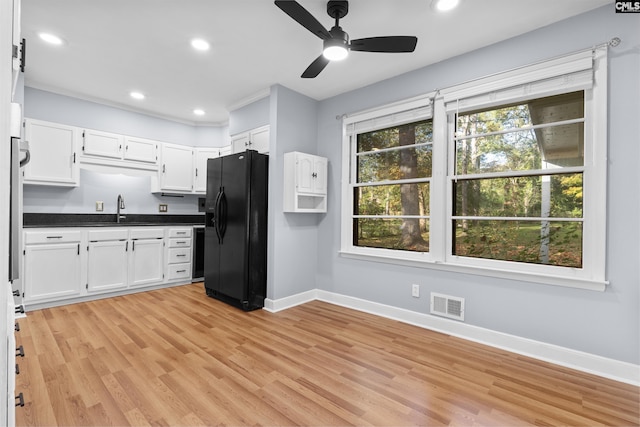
(176, 357)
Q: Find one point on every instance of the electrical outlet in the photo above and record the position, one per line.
(99, 206)
(415, 291)
(163, 207)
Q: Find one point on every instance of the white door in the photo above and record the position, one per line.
(320, 177)
(107, 265)
(260, 140)
(240, 143)
(102, 144)
(51, 271)
(304, 173)
(176, 172)
(200, 172)
(147, 262)
(53, 154)
(140, 150)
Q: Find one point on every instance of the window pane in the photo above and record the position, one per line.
(403, 163)
(545, 242)
(412, 133)
(396, 199)
(550, 109)
(558, 196)
(552, 147)
(409, 234)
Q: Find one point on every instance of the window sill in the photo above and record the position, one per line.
(569, 282)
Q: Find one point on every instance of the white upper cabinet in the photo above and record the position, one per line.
(305, 183)
(256, 139)
(53, 148)
(101, 144)
(111, 149)
(140, 150)
(175, 173)
(200, 169)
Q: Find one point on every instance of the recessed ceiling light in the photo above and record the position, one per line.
(198, 112)
(444, 5)
(50, 38)
(137, 95)
(200, 44)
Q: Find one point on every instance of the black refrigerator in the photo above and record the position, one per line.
(235, 264)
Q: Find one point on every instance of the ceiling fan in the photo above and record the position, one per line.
(336, 41)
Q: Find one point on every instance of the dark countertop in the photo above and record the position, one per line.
(32, 220)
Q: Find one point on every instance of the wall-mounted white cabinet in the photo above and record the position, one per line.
(175, 173)
(255, 139)
(200, 169)
(53, 148)
(115, 150)
(305, 183)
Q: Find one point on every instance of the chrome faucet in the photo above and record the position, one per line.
(120, 206)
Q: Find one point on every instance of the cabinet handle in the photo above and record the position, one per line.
(180, 243)
(181, 255)
(54, 237)
(17, 369)
(314, 175)
(126, 246)
(16, 293)
(74, 157)
(181, 232)
(20, 351)
(20, 399)
(163, 168)
(196, 171)
(181, 271)
(17, 327)
(19, 308)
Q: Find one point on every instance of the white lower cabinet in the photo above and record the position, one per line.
(107, 260)
(52, 265)
(77, 263)
(146, 261)
(179, 253)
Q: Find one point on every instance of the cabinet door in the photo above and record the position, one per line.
(101, 144)
(200, 172)
(304, 173)
(320, 177)
(240, 143)
(140, 150)
(176, 173)
(147, 262)
(53, 154)
(259, 139)
(107, 265)
(226, 150)
(51, 271)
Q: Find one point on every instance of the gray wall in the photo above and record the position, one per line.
(95, 186)
(250, 116)
(601, 323)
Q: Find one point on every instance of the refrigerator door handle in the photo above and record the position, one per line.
(216, 216)
(223, 214)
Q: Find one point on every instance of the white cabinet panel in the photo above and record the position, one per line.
(146, 262)
(200, 170)
(141, 150)
(102, 144)
(53, 150)
(255, 139)
(52, 271)
(107, 265)
(176, 172)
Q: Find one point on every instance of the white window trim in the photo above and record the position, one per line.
(593, 275)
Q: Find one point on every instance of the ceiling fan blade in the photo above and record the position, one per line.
(303, 17)
(316, 66)
(385, 44)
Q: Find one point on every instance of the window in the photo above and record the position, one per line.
(503, 176)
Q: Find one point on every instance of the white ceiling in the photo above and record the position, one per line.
(115, 46)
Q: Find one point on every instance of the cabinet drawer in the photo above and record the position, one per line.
(180, 271)
(100, 235)
(51, 236)
(180, 243)
(147, 233)
(180, 232)
(179, 255)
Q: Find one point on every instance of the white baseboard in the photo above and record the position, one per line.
(581, 361)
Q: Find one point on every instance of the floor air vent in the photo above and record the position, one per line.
(447, 306)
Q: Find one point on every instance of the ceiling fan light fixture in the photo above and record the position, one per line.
(335, 53)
